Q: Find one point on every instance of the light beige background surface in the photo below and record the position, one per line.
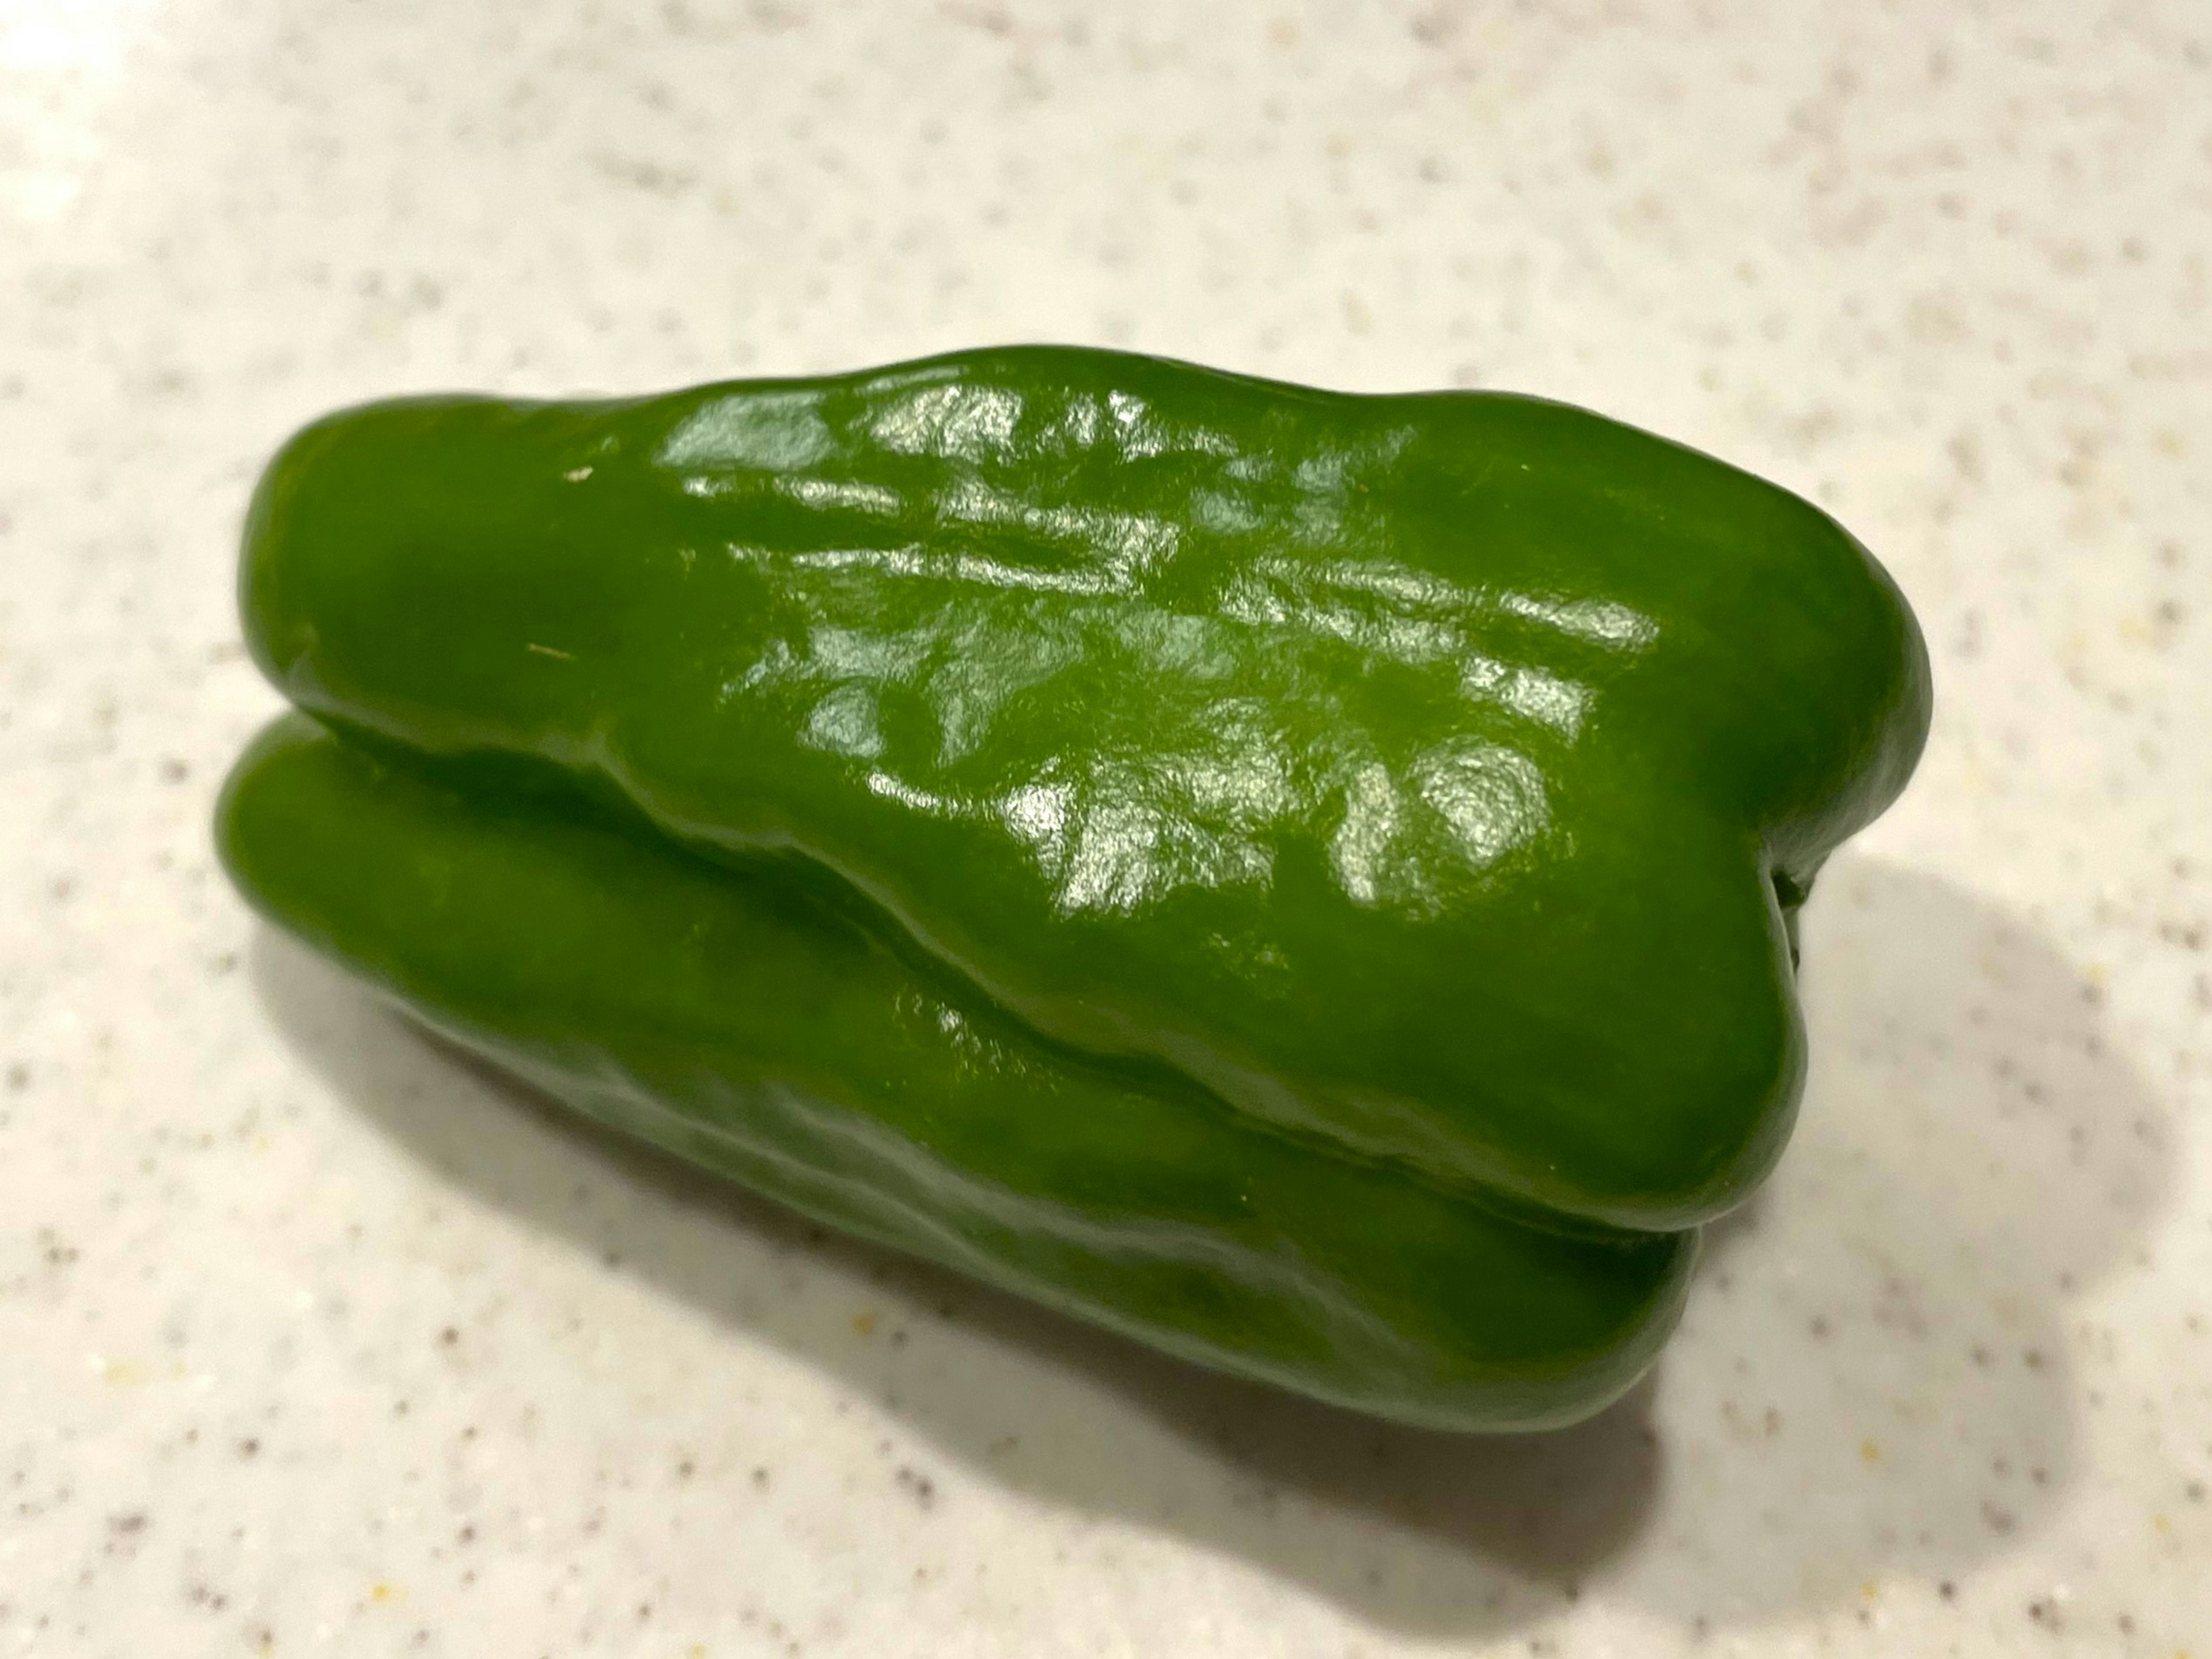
(314, 1342)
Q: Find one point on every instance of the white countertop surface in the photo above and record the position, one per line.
(317, 1343)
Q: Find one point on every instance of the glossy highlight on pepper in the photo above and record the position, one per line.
(1418, 788)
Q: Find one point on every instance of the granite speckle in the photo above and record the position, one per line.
(320, 1340)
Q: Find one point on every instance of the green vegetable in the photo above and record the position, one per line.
(1307, 880)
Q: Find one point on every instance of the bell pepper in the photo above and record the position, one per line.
(1307, 880)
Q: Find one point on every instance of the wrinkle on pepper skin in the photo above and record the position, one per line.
(1134, 823)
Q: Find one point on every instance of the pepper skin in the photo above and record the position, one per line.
(729, 1019)
(1306, 879)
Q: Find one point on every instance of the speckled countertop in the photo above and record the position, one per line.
(316, 1342)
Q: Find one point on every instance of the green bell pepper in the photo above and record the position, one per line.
(1307, 880)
